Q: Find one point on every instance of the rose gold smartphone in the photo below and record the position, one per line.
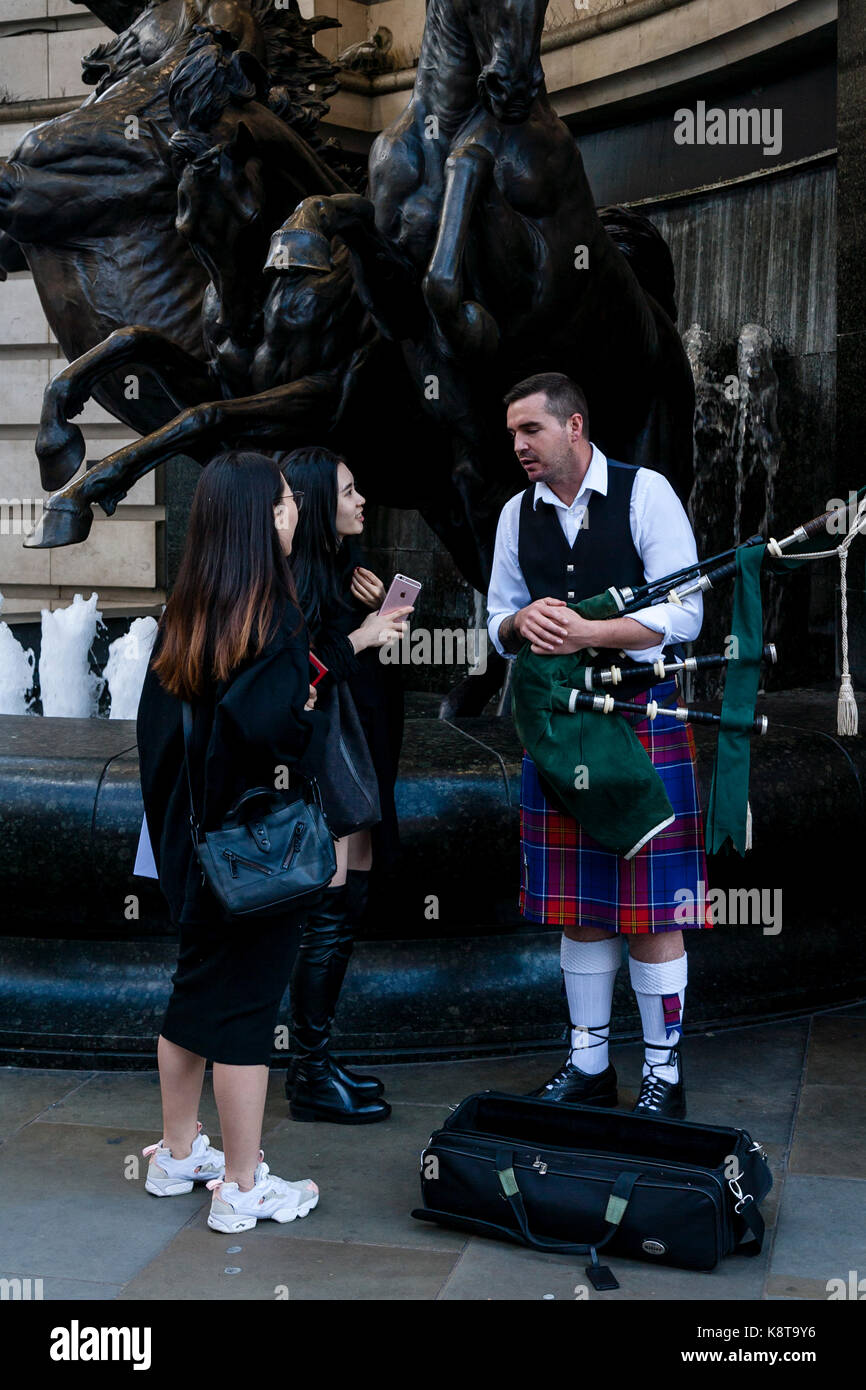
(401, 594)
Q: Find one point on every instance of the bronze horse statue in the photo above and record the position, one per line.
(478, 258)
(89, 205)
(479, 197)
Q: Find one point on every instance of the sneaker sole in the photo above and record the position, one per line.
(169, 1188)
(229, 1225)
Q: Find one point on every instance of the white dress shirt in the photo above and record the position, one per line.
(662, 537)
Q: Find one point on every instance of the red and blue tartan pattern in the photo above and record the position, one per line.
(568, 879)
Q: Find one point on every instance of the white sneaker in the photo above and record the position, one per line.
(169, 1177)
(270, 1197)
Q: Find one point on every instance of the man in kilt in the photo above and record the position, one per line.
(585, 523)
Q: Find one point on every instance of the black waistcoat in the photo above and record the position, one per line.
(603, 553)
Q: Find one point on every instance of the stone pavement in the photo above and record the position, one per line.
(70, 1216)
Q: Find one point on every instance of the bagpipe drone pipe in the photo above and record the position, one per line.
(565, 723)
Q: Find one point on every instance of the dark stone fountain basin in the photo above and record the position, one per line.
(446, 966)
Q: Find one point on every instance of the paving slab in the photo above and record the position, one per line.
(27, 1092)
(784, 1286)
(819, 1233)
(765, 1058)
(490, 1270)
(75, 1215)
(837, 1050)
(275, 1264)
(368, 1176)
(136, 1096)
(444, 1084)
(830, 1133)
(857, 1010)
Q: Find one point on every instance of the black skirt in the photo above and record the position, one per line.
(229, 981)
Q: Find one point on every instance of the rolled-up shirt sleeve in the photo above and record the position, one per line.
(665, 542)
(507, 592)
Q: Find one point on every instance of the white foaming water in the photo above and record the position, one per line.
(16, 672)
(67, 685)
(127, 666)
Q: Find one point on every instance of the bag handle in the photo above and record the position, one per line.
(314, 791)
(746, 1207)
(617, 1202)
(187, 744)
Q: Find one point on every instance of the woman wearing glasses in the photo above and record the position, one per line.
(233, 643)
(357, 775)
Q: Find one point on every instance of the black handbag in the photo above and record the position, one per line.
(271, 854)
(574, 1179)
(345, 773)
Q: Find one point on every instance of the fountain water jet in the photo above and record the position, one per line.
(127, 666)
(68, 686)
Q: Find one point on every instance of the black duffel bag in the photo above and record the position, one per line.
(574, 1179)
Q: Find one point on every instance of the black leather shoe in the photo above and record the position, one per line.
(369, 1086)
(663, 1099)
(570, 1084)
(320, 1095)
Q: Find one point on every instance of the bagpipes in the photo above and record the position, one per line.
(620, 799)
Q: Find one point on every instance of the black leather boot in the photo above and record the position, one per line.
(318, 1087)
(662, 1098)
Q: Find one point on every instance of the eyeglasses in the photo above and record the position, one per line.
(296, 497)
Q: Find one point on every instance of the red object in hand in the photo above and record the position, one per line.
(318, 670)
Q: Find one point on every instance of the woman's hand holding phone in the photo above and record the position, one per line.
(376, 631)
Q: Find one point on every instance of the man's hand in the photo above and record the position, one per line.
(578, 633)
(313, 696)
(542, 623)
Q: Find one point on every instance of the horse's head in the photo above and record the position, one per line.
(507, 38)
(220, 195)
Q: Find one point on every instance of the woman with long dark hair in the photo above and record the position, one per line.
(336, 597)
(231, 642)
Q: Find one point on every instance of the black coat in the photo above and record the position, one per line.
(244, 728)
(377, 690)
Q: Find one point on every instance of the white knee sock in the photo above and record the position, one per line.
(660, 988)
(589, 970)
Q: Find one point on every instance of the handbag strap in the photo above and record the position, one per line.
(617, 1202)
(755, 1222)
(187, 745)
(314, 793)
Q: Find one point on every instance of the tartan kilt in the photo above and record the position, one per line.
(567, 879)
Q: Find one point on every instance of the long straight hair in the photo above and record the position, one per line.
(318, 558)
(233, 583)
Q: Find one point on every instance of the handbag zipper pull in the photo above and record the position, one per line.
(294, 845)
(232, 858)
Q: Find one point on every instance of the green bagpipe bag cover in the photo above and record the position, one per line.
(592, 766)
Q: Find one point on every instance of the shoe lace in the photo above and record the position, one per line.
(653, 1088)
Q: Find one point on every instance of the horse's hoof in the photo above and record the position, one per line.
(63, 522)
(60, 449)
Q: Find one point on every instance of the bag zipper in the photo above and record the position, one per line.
(294, 844)
(235, 859)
